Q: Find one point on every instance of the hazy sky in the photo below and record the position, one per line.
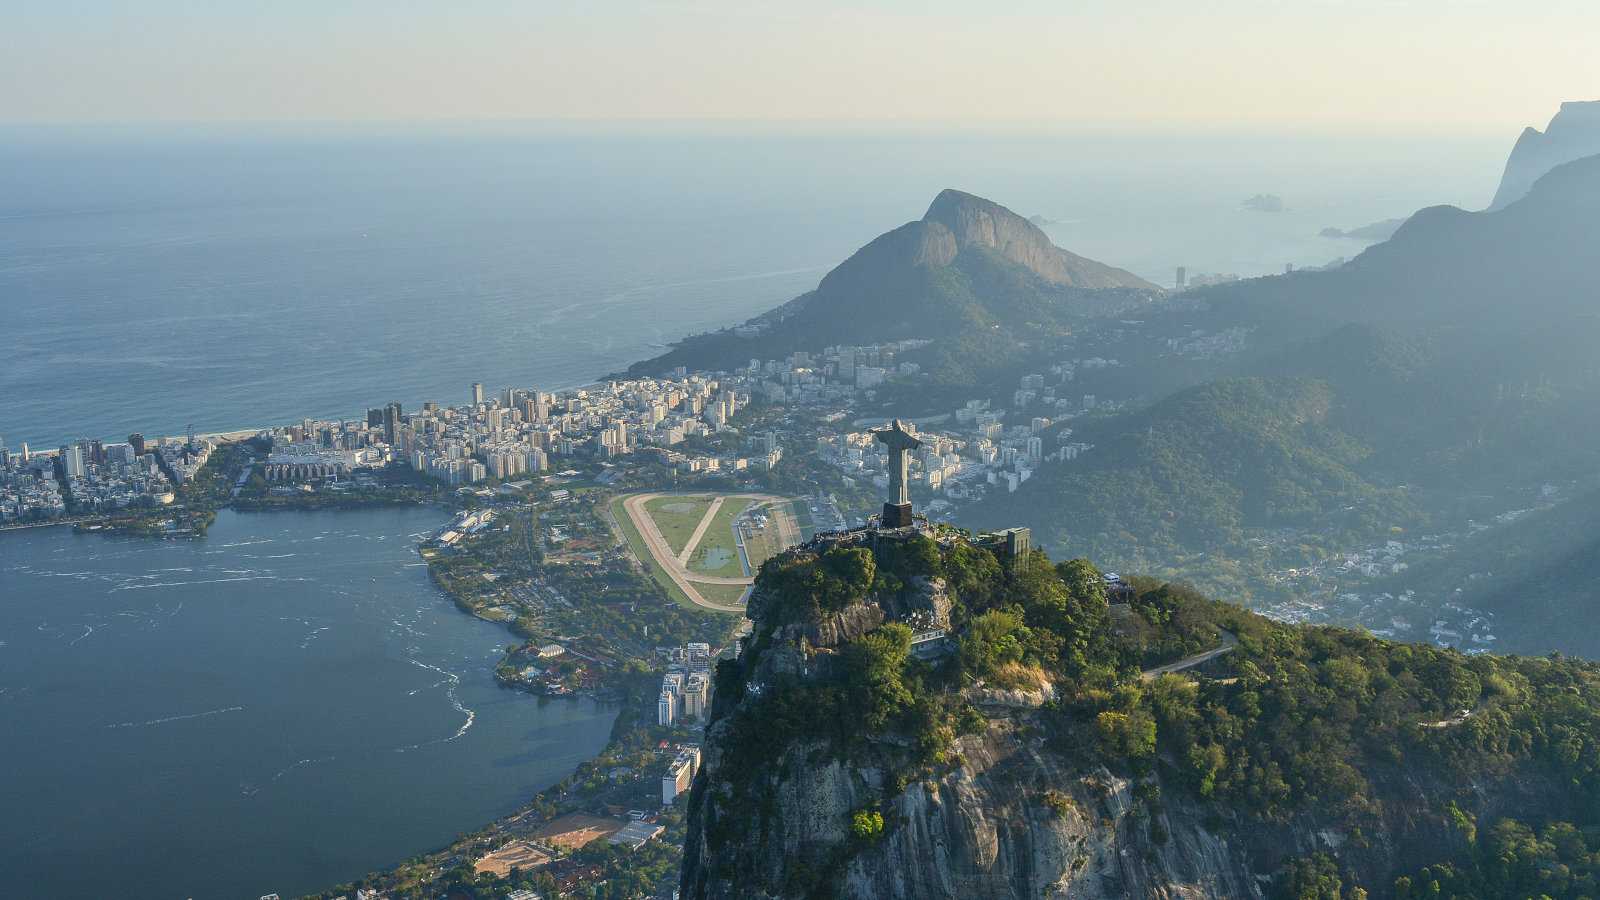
(1461, 64)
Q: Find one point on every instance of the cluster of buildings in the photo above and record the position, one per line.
(686, 686)
(1053, 388)
(183, 460)
(305, 461)
(468, 523)
(836, 374)
(1202, 279)
(1202, 344)
(93, 476)
(680, 773)
(961, 461)
(520, 432)
(557, 671)
(28, 487)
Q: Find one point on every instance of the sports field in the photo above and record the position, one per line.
(717, 553)
(726, 594)
(696, 546)
(677, 517)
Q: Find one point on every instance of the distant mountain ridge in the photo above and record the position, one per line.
(1449, 266)
(1540, 575)
(968, 264)
(1572, 134)
(1453, 360)
(1193, 471)
(1375, 231)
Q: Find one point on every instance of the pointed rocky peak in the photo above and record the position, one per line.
(1572, 134)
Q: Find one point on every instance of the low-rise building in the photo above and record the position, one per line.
(636, 834)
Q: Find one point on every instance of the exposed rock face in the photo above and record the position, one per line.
(986, 830)
(1008, 819)
(834, 629)
(1573, 134)
(799, 796)
(967, 263)
(1010, 698)
(989, 830)
(928, 599)
(958, 221)
(1015, 820)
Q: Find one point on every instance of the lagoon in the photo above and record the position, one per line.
(286, 704)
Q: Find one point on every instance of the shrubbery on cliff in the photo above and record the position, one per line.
(1294, 720)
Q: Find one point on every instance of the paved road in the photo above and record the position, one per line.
(1188, 662)
(675, 565)
(1460, 718)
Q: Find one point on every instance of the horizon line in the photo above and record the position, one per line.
(1197, 125)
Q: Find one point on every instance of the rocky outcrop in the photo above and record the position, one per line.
(808, 790)
(830, 631)
(968, 262)
(993, 697)
(1011, 820)
(927, 600)
(958, 221)
(1574, 133)
(1005, 817)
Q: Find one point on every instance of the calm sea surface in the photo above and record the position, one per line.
(284, 705)
(234, 278)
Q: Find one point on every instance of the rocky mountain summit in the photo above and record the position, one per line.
(1572, 134)
(919, 713)
(968, 265)
(958, 221)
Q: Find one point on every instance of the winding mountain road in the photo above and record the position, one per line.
(1229, 641)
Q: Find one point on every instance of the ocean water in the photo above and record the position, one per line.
(232, 277)
(285, 705)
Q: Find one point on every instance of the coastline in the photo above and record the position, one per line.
(22, 526)
(234, 435)
(627, 694)
(620, 680)
(316, 564)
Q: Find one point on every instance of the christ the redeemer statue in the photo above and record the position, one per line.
(897, 512)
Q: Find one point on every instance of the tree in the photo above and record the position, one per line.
(804, 587)
(875, 663)
(974, 577)
(1310, 878)
(994, 639)
(866, 824)
(1131, 735)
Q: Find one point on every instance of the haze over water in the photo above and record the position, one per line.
(285, 705)
(231, 277)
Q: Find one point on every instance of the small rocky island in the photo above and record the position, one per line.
(1263, 203)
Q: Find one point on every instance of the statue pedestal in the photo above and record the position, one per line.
(896, 515)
